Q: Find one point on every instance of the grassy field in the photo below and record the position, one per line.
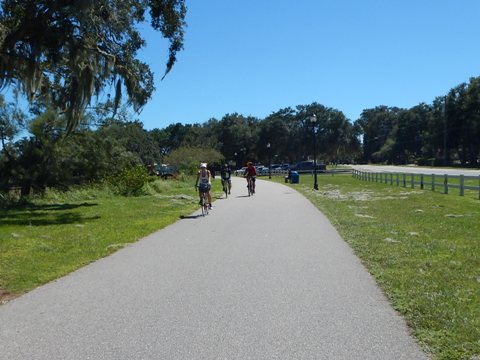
(421, 246)
(423, 249)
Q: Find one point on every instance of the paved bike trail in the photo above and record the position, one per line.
(261, 277)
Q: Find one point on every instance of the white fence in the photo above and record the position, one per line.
(432, 181)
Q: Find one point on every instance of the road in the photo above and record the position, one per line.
(262, 277)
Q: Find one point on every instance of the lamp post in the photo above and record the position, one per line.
(313, 120)
(244, 155)
(269, 161)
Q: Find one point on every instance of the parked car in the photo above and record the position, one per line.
(307, 166)
(240, 172)
(262, 170)
(164, 170)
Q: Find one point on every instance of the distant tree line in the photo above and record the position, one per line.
(445, 132)
(101, 146)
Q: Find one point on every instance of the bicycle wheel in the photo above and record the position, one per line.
(249, 186)
(225, 189)
(204, 205)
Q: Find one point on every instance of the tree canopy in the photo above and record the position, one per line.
(67, 51)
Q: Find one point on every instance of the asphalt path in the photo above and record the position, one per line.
(261, 277)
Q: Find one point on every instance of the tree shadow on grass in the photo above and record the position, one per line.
(58, 206)
(43, 215)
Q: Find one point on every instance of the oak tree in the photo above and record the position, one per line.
(67, 51)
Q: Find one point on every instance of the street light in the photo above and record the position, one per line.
(269, 162)
(313, 120)
(243, 154)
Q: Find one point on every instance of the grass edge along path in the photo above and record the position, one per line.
(51, 237)
(422, 249)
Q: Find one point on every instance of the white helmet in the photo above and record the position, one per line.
(203, 165)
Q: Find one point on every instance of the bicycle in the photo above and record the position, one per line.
(204, 202)
(226, 188)
(250, 185)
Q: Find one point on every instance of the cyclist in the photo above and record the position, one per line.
(226, 175)
(250, 173)
(204, 177)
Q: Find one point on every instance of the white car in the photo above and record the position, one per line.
(263, 170)
(240, 172)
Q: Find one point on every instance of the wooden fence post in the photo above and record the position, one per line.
(421, 181)
(445, 184)
(462, 184)
(433, 182)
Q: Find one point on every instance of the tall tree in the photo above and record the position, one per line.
(69, 50)
(171, 137)
(411, 134)
(472, 124)
(134, 139)
(379, 126)
(11, 121)
(276, 131)
(239, 135)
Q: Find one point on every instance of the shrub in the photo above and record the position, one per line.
(130, 181)
(11, 199)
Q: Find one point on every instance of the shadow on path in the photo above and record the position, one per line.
(189, 217)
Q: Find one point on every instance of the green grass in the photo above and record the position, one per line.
(51, 237)
(423, 249)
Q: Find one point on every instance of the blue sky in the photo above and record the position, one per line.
(255, 57)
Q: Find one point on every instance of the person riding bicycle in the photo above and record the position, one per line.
(204, 183)
(250, 173)
(226, 176)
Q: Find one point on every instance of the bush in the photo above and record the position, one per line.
(129, 182)
(428, 161)
(11, 199)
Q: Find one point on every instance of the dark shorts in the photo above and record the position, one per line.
(204, 187)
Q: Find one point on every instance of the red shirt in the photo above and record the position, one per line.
(251, 171)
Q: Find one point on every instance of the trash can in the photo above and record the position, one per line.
(294, 177)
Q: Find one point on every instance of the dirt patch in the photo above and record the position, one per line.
(360, 196)
(6, 296)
